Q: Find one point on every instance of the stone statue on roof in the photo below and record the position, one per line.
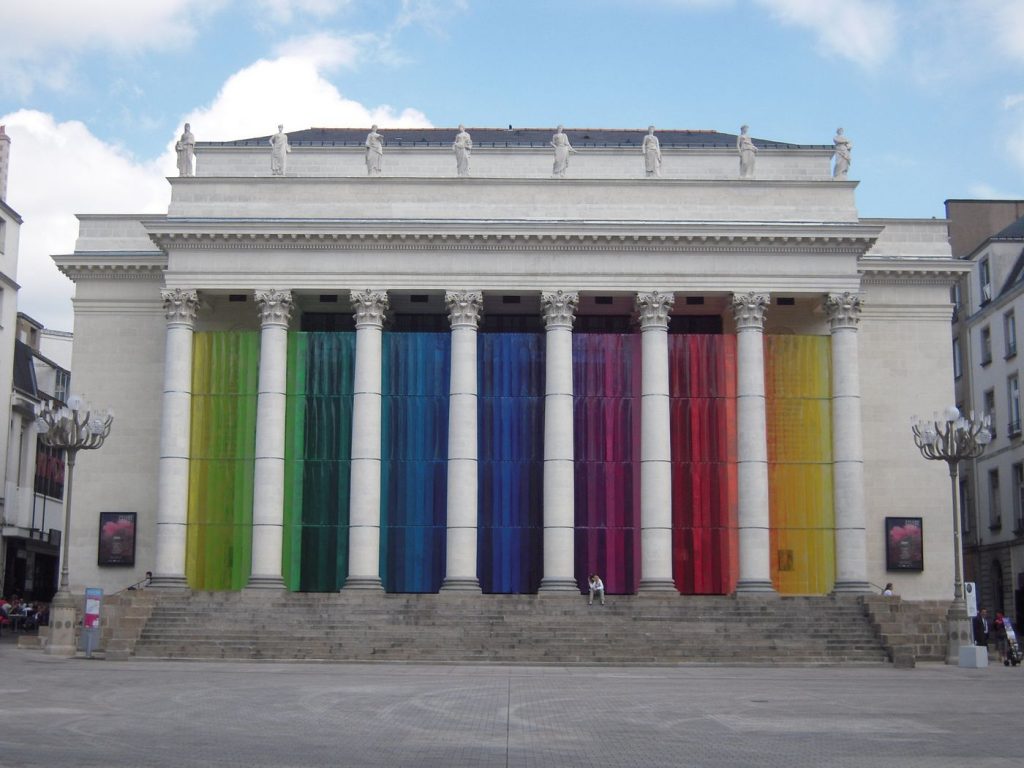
(562, 151)
(374, 152)
(462, 147)
(748, 153)
(279, 150)
(185, 147)
(651, 150)
(841, 155)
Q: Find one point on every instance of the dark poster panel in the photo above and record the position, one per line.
(117, 538)
(49, 471)
(904, 544)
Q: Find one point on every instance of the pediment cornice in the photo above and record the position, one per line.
(320, 234)
(117, 265)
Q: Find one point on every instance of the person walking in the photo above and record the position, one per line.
(596, 586)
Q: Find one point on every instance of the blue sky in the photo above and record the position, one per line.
(93, 92)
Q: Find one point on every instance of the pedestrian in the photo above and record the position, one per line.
(999, 630)
(596, 586)
(887, 592)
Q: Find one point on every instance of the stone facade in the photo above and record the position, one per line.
(688, 250)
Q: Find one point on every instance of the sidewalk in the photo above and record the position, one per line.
(82, 712)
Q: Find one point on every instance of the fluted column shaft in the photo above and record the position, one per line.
(655, 445)
(180, 308)
(752, 449)
(559, 308)
(275, 308)
(364, 494)
(843, 311)
(464, 309)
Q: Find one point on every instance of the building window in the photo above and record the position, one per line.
(966, 507)
(1013, 405)
(957, 369)
(61, 384)
(995, 509)
(1010, 333)
(990, 409)
(1018, 497)
(956, 297)
(986, 345)
(985, 281)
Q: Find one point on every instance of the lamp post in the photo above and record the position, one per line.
(952, 438)
(72, 428)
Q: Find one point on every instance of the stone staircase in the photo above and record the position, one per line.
(526, 629)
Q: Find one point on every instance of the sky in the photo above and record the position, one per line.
(94, 92)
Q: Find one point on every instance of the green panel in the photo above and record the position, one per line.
(317, 456)
(225, 370)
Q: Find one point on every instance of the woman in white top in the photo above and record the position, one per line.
(596, 585)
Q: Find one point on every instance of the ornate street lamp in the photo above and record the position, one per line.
(953, 438)
(71, 428)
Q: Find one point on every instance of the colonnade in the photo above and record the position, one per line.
(559, 310)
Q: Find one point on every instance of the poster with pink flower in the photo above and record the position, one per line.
(904, 544)
(117, 538)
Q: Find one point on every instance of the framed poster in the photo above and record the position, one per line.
(117, 538)
(904, 544)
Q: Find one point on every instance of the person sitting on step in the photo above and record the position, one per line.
(596, 585)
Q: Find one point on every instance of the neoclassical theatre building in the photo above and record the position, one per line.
(341, 361)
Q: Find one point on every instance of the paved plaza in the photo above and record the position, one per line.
(81, 712)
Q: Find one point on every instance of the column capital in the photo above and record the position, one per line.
(559, 308)
(464, 307)
(369, 305)
(748, 310)
(653, 309)
(180, 305)
(275, 306)
(843, 310)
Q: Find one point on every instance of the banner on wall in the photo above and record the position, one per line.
(904, 544)
(117, 538)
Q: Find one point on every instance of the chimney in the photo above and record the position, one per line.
(5, 158)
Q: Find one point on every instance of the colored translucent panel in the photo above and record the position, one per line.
(317, 460)
(224, 382)
(414, 479)
(702, 387)
(799, 432)
(510, 534)
(606, 405)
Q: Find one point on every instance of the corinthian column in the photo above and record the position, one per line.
(275, 309)
(180, 307)
(364, 495)
(655, 445)
(558, 308)
(843, 310)
(464, 309)
(752, 449)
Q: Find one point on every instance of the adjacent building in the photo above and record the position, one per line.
(989, 300)
(342, 368)
(34, 368)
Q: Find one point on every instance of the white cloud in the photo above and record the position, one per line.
(1013, 101)
(863, 31)
(58, 170)
(285, 11)
(1006, 21)
(328, 52)
(44, 37)
(430, 14)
